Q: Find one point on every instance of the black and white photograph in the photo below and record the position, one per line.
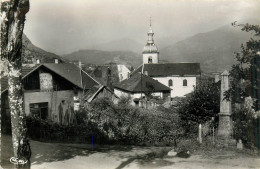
(130, 84)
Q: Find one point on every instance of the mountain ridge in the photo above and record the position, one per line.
(214, 49)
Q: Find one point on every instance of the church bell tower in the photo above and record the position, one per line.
(150, 51)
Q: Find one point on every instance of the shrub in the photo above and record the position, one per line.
(125, 124)
(246, 123)
(46, 130)
(111, 124)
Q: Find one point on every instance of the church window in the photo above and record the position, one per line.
(150, 59)
(170, 82)
(185, 83)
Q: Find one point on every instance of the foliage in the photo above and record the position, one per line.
(125, 124)
(246, 122)
(245, 73)
(111, 124)
(124, 101)
(200, 106)
(46, 130)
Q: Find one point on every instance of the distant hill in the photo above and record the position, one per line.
(214, 50)
(124, 44)
(31, 53)
(104, 57)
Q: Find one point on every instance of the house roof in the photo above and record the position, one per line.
(141, 83)
(68, 71)
(26, 70)
(95, 90)
(72, 73)
(170, 69)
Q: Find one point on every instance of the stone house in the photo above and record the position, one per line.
(50, 90)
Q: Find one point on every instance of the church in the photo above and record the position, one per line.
(180, 77)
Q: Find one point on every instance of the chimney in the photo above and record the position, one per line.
(56, 61)
(80, 65)
(128, 75)
(217, 77)
(146, 73)
(38, 61)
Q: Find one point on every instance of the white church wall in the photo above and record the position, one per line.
(178, 90)
(154, 56)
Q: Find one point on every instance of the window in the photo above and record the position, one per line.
(185, 83)
(120, 77)
(39, 110)
(170, 82)
(150, 59)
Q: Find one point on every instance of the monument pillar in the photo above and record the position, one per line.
(224, 125)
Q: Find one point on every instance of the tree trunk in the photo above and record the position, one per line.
(12, 24)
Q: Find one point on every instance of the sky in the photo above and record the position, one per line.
(64, 26)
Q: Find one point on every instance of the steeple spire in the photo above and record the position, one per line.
(150, 34)
(150, 51)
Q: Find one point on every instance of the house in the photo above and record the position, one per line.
(51, 89)
(111, 73)
(180, 77)
(139, 86)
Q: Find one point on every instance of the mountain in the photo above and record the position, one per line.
(104, 57)
(214, 49)
(124, 44)
(31, 53)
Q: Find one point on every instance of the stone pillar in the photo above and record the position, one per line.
(224, 125)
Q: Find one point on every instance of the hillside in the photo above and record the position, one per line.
(214, 50)
(124, 44)
(31, 53)
(104, 57)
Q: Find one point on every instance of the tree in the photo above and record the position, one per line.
(245, 73)
(200, 105)
(245, 88)
(12, 25)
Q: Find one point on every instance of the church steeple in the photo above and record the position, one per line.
(150, 34)
(150, 51)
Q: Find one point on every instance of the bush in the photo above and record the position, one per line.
(125, 124)
(246, 124)
(45, 130)
(111, 124)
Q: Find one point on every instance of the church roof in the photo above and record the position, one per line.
(141, 83)
(169, 69)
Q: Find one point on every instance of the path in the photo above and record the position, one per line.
(79, 156)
